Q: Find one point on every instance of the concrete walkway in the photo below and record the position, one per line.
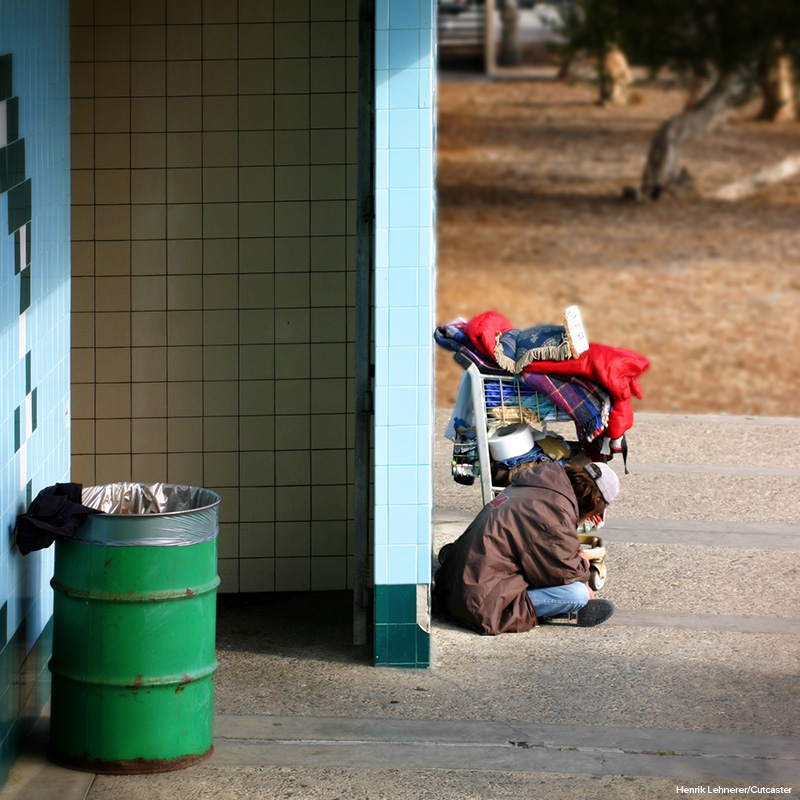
(691, 686)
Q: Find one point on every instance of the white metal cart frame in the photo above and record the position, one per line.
(591, 543)
(478, 382)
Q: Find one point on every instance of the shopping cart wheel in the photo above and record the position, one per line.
(596, 581)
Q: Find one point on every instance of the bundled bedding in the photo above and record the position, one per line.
(593, 385)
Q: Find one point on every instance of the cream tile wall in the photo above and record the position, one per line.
(213, 186)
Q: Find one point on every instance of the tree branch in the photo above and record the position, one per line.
(752, 184)
(661, 172)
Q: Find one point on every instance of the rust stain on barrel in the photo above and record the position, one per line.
(137, 766)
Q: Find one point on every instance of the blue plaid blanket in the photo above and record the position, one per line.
(586, 403)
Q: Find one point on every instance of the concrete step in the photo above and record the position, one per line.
(505, 745)
(450, 523)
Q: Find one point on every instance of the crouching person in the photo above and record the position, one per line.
(520, 562)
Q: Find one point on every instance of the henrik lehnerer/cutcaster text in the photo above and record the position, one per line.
(733, 790)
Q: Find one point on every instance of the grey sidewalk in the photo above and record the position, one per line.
(693, 683)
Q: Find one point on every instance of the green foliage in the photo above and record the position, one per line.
(588, 27)
(729, 35)
(593, 27)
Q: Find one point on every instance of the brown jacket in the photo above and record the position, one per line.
(524, 538)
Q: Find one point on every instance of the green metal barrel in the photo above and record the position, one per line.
(134, 626)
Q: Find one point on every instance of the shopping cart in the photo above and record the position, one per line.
(501, 399)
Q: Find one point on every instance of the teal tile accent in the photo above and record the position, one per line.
(15, 163)
(399, 641)
(5, 76)
(5, 182)
(402, 603)
(18, 250)
(396, 603)
(402, 644)
(381, 605)
(19, 206)
(423, 648)
(12, 118)
(381, 644)
(24, 289)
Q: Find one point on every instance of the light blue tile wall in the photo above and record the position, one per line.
(404, 320)
(34, 347)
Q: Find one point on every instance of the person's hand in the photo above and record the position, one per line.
(582, 554)
(591, 592)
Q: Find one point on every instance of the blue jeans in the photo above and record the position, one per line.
(559, 599)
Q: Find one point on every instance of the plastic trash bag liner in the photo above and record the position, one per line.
(149, 514)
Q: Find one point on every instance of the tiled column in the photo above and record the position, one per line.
(404, 314)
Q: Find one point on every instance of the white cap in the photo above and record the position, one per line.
(605, 478)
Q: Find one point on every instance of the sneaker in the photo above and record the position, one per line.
(593, 613)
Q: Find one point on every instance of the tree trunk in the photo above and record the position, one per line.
(701, 77)
(698, 86)
(568, 65)
(618, 75)
(777, 88)
(661, 173)
(510, 49)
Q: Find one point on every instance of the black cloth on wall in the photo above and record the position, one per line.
(55, 511)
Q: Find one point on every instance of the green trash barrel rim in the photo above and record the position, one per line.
(148, 514)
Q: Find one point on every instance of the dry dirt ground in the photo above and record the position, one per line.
(530, 220)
